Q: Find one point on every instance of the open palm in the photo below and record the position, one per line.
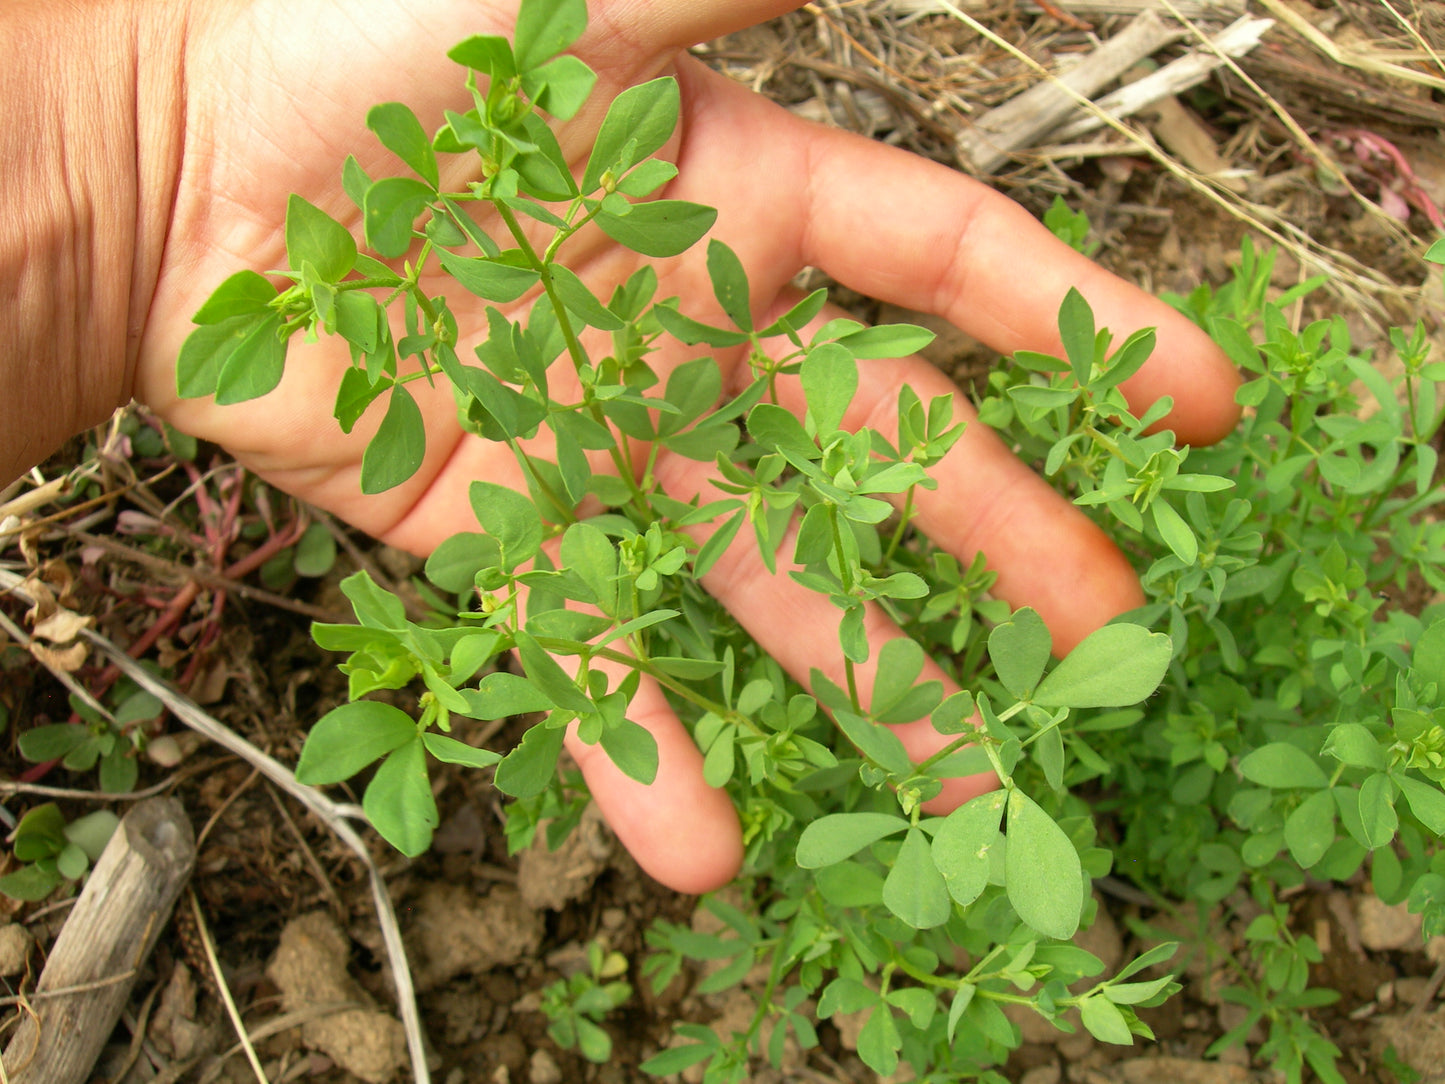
(277, 97)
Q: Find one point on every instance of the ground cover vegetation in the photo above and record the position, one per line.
(1274, 713)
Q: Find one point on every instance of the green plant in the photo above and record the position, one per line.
(577, 1005)
(1292, 720)
(109, 741)
(55, 851)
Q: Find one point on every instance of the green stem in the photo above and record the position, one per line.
(562, 508)
(904, 517)
(974, 738)
(667, 681)
(543, 266)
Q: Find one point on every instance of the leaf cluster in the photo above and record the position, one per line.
(1263, 718)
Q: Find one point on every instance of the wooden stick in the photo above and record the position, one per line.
(1089, 9)
(1019, 122)
(1173, 78)
(111, 930)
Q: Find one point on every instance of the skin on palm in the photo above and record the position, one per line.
(272, 116)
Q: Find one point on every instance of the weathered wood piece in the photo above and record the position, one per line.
(1021, 121)
(1088, 9)
(1173, 78)
(112, 928)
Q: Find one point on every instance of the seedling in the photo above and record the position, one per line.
(577, 1005)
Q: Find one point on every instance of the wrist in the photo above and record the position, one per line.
(86, 163)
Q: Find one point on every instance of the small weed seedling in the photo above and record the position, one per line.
(1266, 717)
(53, 851)
(576, 1006)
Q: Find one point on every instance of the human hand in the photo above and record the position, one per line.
(270, 112)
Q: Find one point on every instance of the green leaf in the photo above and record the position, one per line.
(243, 294)
(72, 863)
(509, 517)
(591, 555)
(118, 771)
(374, 607)
(349, 737)
(1310, 829)
(92, 832)
(402, 134)
(399, 801)
(545, 673)
(52, 742)
(1128, 360)
(391, 207)
(1042, 874)
(1105, 1021)
(1281, 766)
(198, 365)
(1428, 659)
(314, 237)
(886, 341)
(501, 695)
(777, 430)
(40, 833)
(528, 768)
(721, 760)
(454, 564)
(396, 452)
(1426, 802)
(914, 889)
(643, 116)
(1114, 667)
(30, 884)
(315, 552)
(662, 228)
(560, 87)
(1136, 993)
(1353, 744)
(963, 842)
(687, 330)
(896, 697)
(844, 995)
(646, 178)
(838, 836)
(830, 380)
(355, 394)
(1174, 531)
(677, 1058)
(580, 300)
(878, 1042)
(487, 53)
(730, 284)
(489, 279)
(455, 752)
(1076, 331)
(255, 364)
(877, 743)
(633, 749)
(546, 27)
(1019, 649)
(1377, 810)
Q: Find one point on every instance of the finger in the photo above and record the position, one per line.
(682, 25)
(900, 228)
(1046, 552)
(682, 832)
(799, 627)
